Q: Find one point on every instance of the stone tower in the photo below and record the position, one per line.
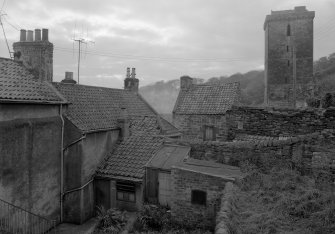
(131, 82)
(35, 53)
(288, 57)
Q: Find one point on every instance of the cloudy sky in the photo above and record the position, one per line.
(163, 39)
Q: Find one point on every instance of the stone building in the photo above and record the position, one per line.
(288, 57)
(200, 110)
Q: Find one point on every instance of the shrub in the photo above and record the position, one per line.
(111, 221)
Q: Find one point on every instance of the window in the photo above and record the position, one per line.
(199, 197)
(125, 191)
(287, 48)
(288, 30)
(288, 63)
(209, 133)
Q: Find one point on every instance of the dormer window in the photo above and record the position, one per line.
(288, 30)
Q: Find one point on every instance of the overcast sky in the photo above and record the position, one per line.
(163, 39)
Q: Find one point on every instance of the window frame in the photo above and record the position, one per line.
(127, 190)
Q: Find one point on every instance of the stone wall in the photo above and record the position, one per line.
(192, 126)
(278, 122)
(227, 209)
(302, 152)
(183, 182)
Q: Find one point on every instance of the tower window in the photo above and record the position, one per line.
(287, 49)
(288, 30)
(288, 63)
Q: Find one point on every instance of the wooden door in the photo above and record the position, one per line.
(164, 191)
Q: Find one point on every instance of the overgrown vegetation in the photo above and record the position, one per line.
(111, 221)
(284, 201)
(157, 219)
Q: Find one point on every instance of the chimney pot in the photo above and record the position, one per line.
(133, 73)
(69, 78)
(30, 35)
(128, 72)
(23, 35)
(45, 36)
(69, 75)
(37, 34)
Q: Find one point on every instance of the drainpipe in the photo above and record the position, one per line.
(61, 165)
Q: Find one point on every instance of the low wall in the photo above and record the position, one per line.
(224, 215)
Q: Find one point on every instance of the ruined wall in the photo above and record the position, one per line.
(278, 122)
(30, 152)
(182, 184)
(81, 161)
(303, 152)
(192, 126)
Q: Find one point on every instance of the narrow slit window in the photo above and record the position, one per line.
(288, 30)
(287, 49)
(288, 63)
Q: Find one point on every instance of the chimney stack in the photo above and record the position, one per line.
(69, 78)
(36, 55)
(131, 82)
(23, 35)
(185, 82)
(45, 36)
(37, 34)
(123, 122)
(30, 36)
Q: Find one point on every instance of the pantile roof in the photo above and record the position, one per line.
(207, 99)
(129, 158)
(94, 108)
(17, 84)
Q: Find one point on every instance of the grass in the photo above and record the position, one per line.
(283, 201)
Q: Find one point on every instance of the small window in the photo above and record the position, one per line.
(288, 30)
(287, 48)
(125, 191)
(288, 63)
(199, 197)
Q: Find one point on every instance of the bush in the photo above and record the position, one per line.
(158, 219)
(111, 221)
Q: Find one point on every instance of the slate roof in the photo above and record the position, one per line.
(94, 108)
(207, 99)
(169, 155)
(210, 168)
(129, 158)
(17, 84)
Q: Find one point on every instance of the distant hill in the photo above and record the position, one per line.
(162, 95)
